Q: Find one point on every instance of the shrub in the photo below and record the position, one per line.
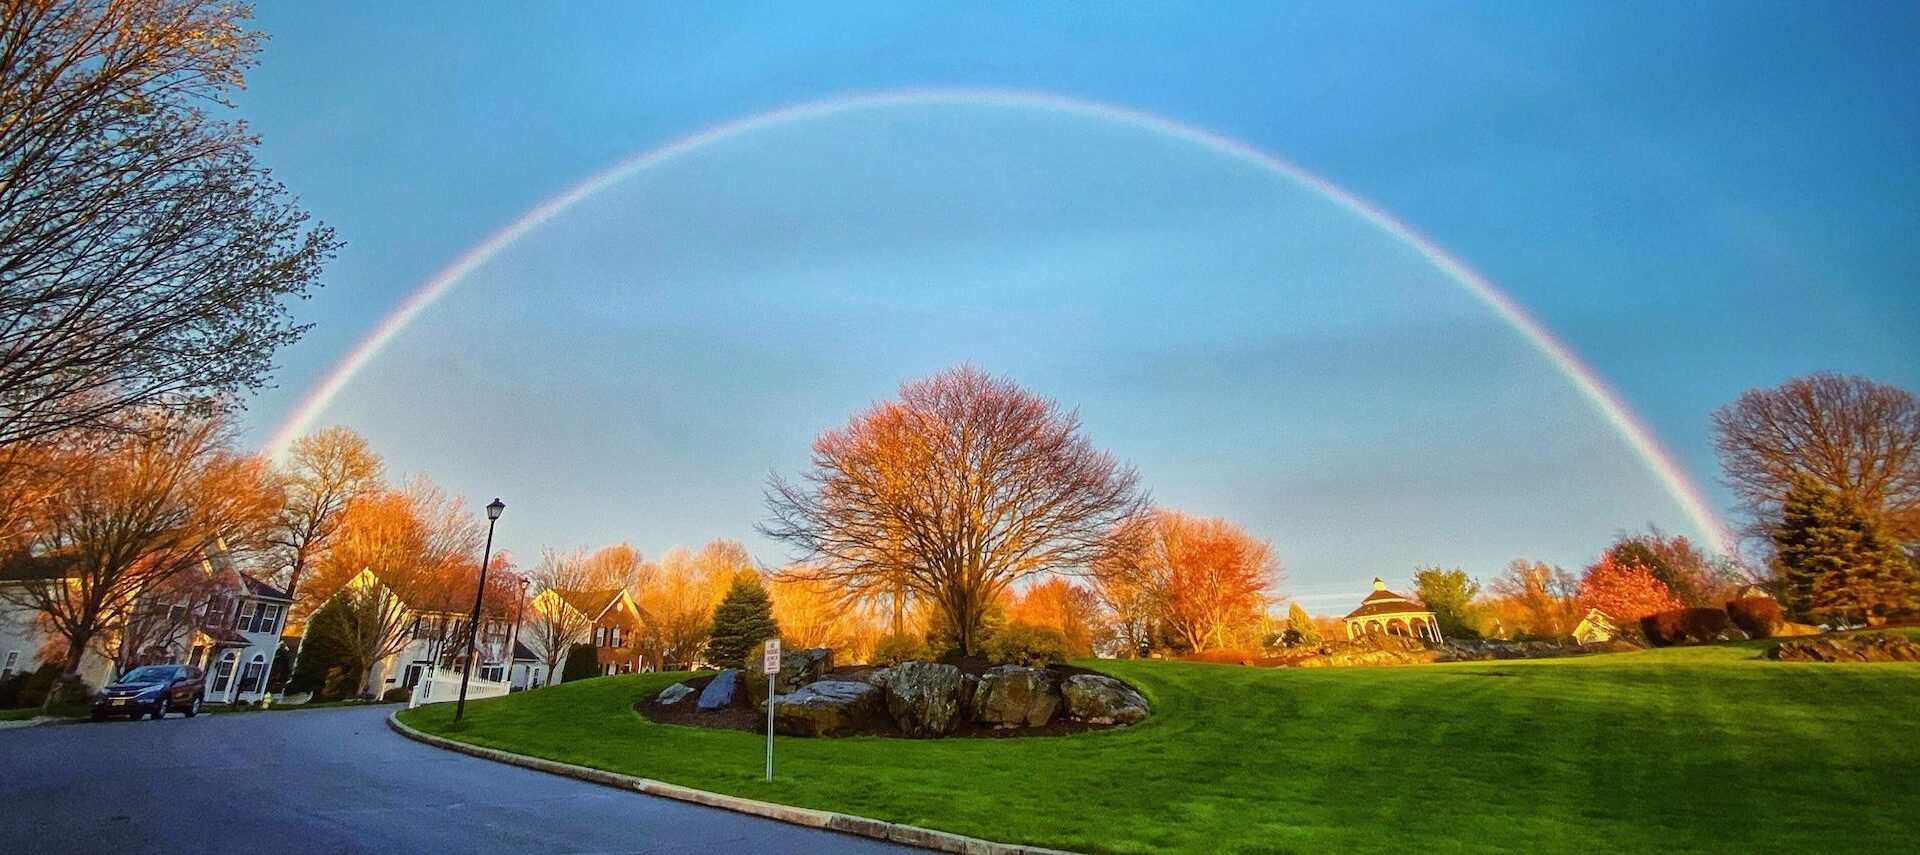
(892, 650)
(1025, 644)
(397, 694)
(1756, 616)
(1663, 629)
(1705, 625)
(583, 662)
(1668, 628)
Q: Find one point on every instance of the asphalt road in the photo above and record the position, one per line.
(334, 780)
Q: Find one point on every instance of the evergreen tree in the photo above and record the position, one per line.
(1836, 560)
(742, 620)
(326, 664)
(583, 662)
(1302, 625)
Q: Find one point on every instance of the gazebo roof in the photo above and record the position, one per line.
(1385, 602)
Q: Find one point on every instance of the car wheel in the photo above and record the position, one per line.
(160, 710)
(193, 709)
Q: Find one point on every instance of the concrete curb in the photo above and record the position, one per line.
(906, 835)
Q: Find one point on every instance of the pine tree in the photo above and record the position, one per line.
(742, 620)
(1303, 625)
(1835, 559)
(583, 663)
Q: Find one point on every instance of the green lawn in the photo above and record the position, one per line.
(1679, 750)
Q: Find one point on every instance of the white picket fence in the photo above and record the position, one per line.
(443, 687)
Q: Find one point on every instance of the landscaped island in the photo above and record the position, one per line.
(965, 697)
(1711, 748)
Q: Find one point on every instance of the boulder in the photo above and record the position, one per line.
(1013, 696)
(797, 668)
(1858, 648)
(1097, 699)
(924, 698)
(1789, 629)
(720, 693)
(826, 708)
(674, 694)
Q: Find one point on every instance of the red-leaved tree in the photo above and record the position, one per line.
(1624, 591)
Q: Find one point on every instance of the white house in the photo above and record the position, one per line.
(434, 638)
(222, 621)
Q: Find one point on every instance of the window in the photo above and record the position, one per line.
(223, 673)
(599, 636)
(492, 672)
(13, 658)
(239, 615)
(414, 672)
(255, 675)
(265, 615)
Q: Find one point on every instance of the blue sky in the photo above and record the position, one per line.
(1698, 200)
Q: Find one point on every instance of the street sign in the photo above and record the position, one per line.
(770, 666)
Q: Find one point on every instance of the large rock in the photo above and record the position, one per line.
(924, 698)
(674, 694)
(1858, 648)
(1015, 696)
(797, 668)
(1097, 699)
(720, 693)
(1789, 629)
(826, 708)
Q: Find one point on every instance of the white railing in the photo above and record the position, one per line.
(443, 687)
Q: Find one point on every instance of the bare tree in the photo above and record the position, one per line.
(418, 550)
(146, 260)
(1856, 436)
(1541, 598)
(130, 513)
(964, 485)
(676, 596)
(554, 624)
(325, 470)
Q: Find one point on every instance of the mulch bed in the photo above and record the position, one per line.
(742, 716)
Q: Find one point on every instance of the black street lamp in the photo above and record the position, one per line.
(480, 591)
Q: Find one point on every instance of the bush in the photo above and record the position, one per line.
(1705, 625)
(1025, 644)
(583, 663)
(1664, 629)
(892, 650)
(28, 688)
(1756, 616)
(397, 694)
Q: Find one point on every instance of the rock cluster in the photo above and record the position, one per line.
(919, 699)
(1858, 648)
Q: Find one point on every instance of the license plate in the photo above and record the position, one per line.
(119, 702)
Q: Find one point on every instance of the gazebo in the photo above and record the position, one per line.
(1388, 613)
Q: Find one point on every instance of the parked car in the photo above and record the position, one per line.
(152, 690)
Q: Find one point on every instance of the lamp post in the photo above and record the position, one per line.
(473, 624)
(513, 643)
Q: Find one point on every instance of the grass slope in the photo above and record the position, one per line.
(1691, 749)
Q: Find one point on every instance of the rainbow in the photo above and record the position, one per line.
(1636, 434)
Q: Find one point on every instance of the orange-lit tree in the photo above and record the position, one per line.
(1206, 581)
(325, 470)
(128, 514)
(1067, 608)
(961, 486)
(397, 553)
(1624, 591)
(676, 596)
(1537, 598)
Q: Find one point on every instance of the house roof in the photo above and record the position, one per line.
(522, 654)
(257, 588)
(1385, 602)
(589, 603)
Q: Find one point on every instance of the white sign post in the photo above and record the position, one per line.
(771, 666)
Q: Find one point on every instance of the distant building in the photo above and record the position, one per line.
(1384, 612)
(615, 622)
(1595, 627)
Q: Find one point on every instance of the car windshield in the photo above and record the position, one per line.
(150, 674)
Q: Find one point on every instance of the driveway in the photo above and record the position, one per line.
(333, 780)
